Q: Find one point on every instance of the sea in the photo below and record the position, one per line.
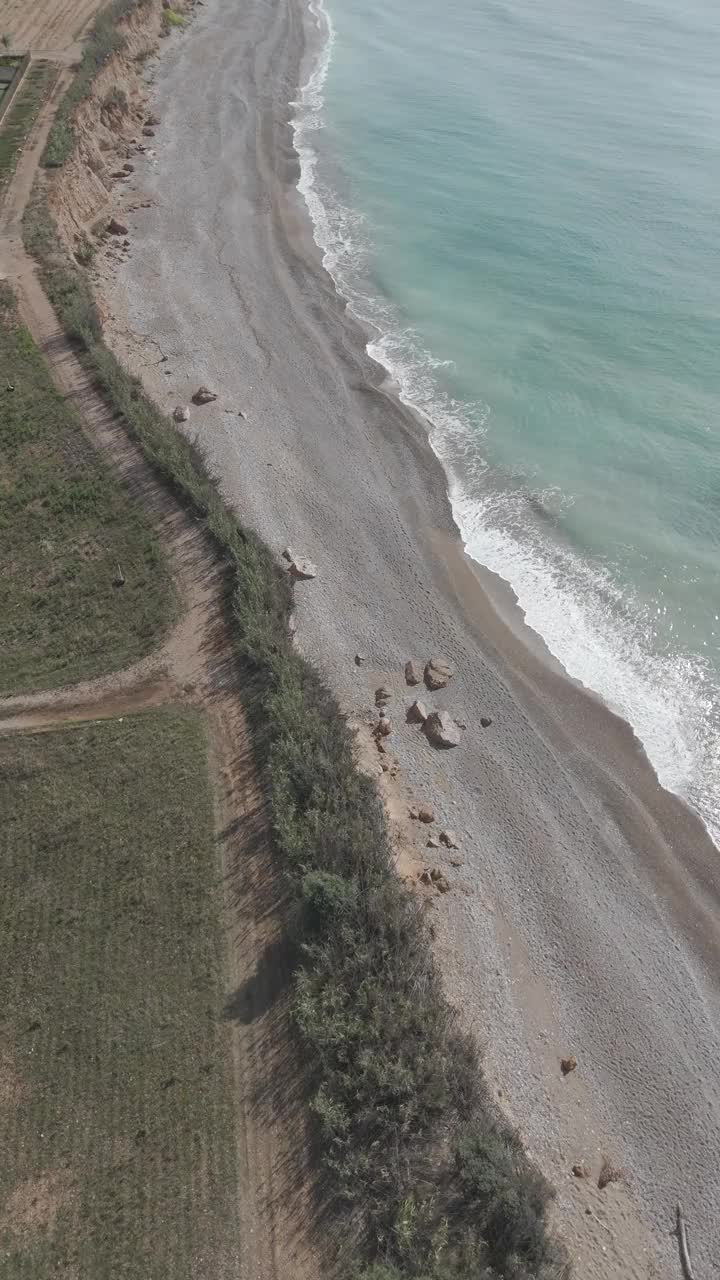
(522, 199)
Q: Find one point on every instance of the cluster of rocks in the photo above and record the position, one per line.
(434, 876)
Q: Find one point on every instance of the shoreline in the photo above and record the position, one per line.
(498, 593)
(305, 118)
(581, 767)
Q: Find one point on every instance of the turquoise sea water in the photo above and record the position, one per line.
(523, 197)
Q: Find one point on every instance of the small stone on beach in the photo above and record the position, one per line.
(116, 228)
(359, 659)
(181, 413)
(203, 396)
(382, 695)
(437, 673)
(449, 839)
(417, 713)
(441, 730)
(425, 815)
(485, 721)
(413, 674)
(568, 1064)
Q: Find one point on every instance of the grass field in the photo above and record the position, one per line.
(65, 525)
(21, 115)
(116, 1124)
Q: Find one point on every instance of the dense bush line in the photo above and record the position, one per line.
(433, 1180)
(103, 41)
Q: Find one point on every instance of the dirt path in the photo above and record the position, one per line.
(196, 665)
(35, 24)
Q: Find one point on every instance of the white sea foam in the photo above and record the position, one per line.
(599, 633)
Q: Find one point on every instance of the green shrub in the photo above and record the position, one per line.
(85, 251)
(506, 1196)
(172, 19)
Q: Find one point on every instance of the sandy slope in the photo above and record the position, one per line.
(585, 917)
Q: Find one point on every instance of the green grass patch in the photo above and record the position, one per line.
(430, 1176)
(116, 1113)
(22, 114)
(172, 19)
(65, 525)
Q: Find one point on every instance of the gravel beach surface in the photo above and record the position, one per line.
(584, 917)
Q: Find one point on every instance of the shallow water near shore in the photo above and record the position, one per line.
(521, 204)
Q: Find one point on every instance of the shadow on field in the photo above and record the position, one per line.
(270, 978)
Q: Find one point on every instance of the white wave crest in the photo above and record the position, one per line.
(598, 632)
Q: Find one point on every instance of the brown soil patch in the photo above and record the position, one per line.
(46, 24)
(35, 1204)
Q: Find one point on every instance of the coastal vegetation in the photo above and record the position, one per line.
(115, 1081)
(432, 1179)
(66, 529)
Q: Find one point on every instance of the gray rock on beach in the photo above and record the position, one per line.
(441, 729)
(301, 568)
(413, 673)
(437, 673)
(417, 713)
(181, 413)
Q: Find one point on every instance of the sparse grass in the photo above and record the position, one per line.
(172, 19)
(22, 114)
(85, 251)
(430, 1178)
(115, 1088)
(65, 524)
(104, 40)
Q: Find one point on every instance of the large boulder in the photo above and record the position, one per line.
(413, 673)
(437, 673)
(417, 713)
(442, 730)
